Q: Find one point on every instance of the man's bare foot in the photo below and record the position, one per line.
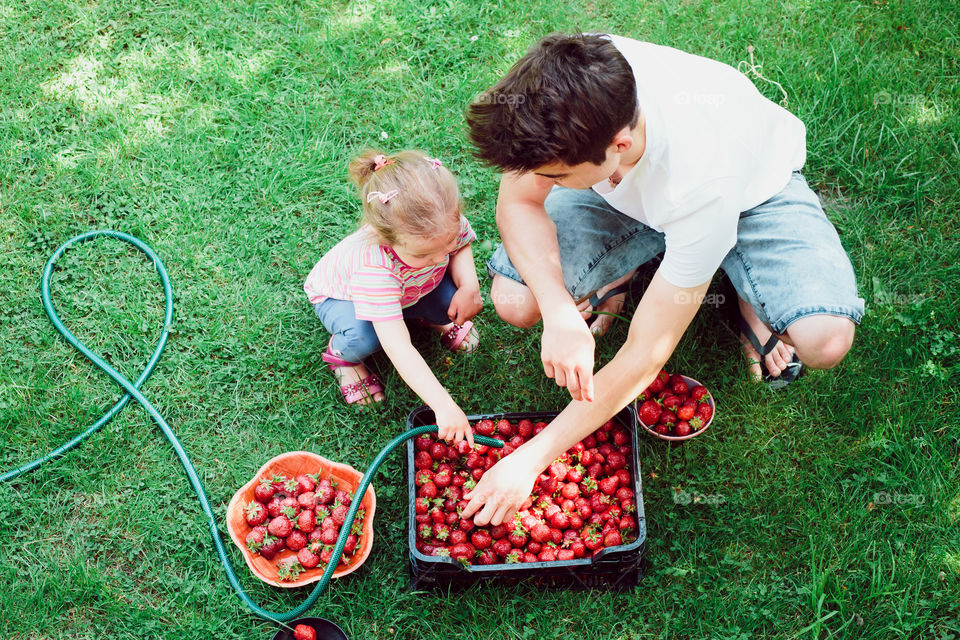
(612, 305)
(351, 375)
(776, 361)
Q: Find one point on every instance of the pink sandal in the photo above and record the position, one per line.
(356, 391)
(456, 336)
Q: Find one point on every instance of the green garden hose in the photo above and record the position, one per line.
(133, 391)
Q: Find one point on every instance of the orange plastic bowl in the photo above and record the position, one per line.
(691, 383)
(292, 465)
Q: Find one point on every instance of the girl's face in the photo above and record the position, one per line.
(419, 252)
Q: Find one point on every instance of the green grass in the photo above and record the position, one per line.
(219, 132)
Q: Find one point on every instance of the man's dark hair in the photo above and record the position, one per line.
(563, 101)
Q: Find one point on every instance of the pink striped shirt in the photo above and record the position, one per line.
(370, 274)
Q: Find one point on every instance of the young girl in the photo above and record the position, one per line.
(410, 260)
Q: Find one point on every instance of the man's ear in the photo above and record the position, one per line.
(622, 141)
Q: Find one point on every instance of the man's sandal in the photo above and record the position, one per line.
(355, 392)
(596, 301)
(788, 375)
(457, 338)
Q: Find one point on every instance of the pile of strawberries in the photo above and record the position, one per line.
(671, 408)
(303, 515)
(579, 505)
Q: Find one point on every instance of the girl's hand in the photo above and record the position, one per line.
(453, 424)
(465, 304)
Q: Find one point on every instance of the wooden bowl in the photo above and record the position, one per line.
(649, 429)
(293, 464)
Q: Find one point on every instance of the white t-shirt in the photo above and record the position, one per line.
(714, 147)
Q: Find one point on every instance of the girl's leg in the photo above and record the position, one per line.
(351, 339)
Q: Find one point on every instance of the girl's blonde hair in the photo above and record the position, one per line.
(421, 195)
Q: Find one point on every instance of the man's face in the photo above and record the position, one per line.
(583, 175)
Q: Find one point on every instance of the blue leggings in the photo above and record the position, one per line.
(354, 340)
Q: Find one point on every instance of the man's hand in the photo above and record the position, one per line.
(452, 424)
(567, 352)
(501, 491)
(465, 305)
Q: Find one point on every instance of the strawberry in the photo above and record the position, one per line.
(559, 520)
(696, 424)
(442, 478)
(279, 482)
(307, 500)
(534, 547)
(280, 526)
(565, 554)
(438, 451)
(339, 514)
(679, 386)
(591, 539)
(538, 427)
(617, 460)
(505, 429)
(498, 531)
(307, 521)
(322, 513)
(517, 538)
(255, 538)
(481, 539)
(525, 428)
(624, 476)
(462, 551)
(627, 523)
(570, 490)
(609, 485)
(682, 429)
(699, 393)
(540, 533)
(422, 477)
(575, 521)
(290, 507)
(324, 492)
(305, 483)
(271, 547)
(350, 544)
(466, 525)
(423, 459)
(326, 555)
(485, 428)
(687, 410)
(343, 497)
(705, 412)
(274, 507)
(458, 536)
(421, 505)
(302, 631)
(547, 554)
(649, 412)
(662, 429)
(289, 569)
(263, 491)
(314, 536)
(296, 540)
(514, 557)
(429, 490)
(424, 532)
(255, 513)
(668, 418)
(441, 532)
(671, 402)
(612, 539)
(487, 556)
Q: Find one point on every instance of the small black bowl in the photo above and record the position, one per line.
(325, 629)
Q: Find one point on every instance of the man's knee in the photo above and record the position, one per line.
(514, 302)
(822, 341)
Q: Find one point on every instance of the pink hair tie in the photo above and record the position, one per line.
(436, 163)
(380, 161)
(384, 197)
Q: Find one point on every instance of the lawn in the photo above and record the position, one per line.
(219, 132)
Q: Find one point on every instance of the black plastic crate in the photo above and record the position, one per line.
(613, 568)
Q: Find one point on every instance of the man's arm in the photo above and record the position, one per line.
(663, 314)
(530, 238)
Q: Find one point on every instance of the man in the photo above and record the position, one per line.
(614, 151)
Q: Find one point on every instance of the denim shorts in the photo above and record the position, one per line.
(354, 340)
(788, 262)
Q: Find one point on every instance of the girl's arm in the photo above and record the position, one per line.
(395, 340)
(466, 302)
